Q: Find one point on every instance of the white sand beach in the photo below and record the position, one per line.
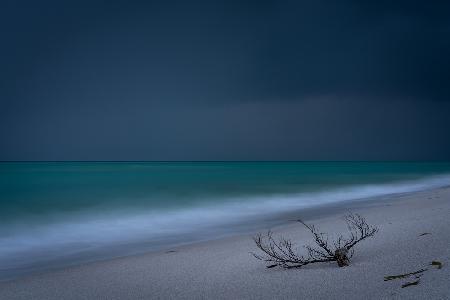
(414, 231)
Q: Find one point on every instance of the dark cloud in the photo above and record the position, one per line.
(224, 80)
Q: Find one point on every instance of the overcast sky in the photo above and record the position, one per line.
(224, 80)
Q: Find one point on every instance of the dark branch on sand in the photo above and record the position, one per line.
(416, 282)
(392, 277)
(280, 253)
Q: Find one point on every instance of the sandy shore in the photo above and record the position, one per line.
(224, 269)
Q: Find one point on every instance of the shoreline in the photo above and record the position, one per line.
(222, 268)
(278, 219)
(64, 231)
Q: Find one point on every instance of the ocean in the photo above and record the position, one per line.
(63, 213)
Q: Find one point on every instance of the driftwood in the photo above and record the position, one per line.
(280, 252)
(392, 277)
(416, 282)
(416, 274)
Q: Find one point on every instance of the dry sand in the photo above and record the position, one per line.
(224, 269)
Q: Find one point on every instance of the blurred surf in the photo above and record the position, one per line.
(66, 213)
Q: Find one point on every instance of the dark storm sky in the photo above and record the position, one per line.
(224, 80)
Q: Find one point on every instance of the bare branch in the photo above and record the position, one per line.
(281, 252)
(359, 230)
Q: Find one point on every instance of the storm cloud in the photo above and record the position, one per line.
(231, 80)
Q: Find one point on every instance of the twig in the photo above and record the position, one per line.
(392, 277)
(411, 283)
(425, 233)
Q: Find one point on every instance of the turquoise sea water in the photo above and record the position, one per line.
(53, 212)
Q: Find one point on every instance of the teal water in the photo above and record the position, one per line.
(63, 210)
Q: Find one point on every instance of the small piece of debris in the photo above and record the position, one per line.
(425, 233)
(392, 277)
(437, 264)
(410, 283)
